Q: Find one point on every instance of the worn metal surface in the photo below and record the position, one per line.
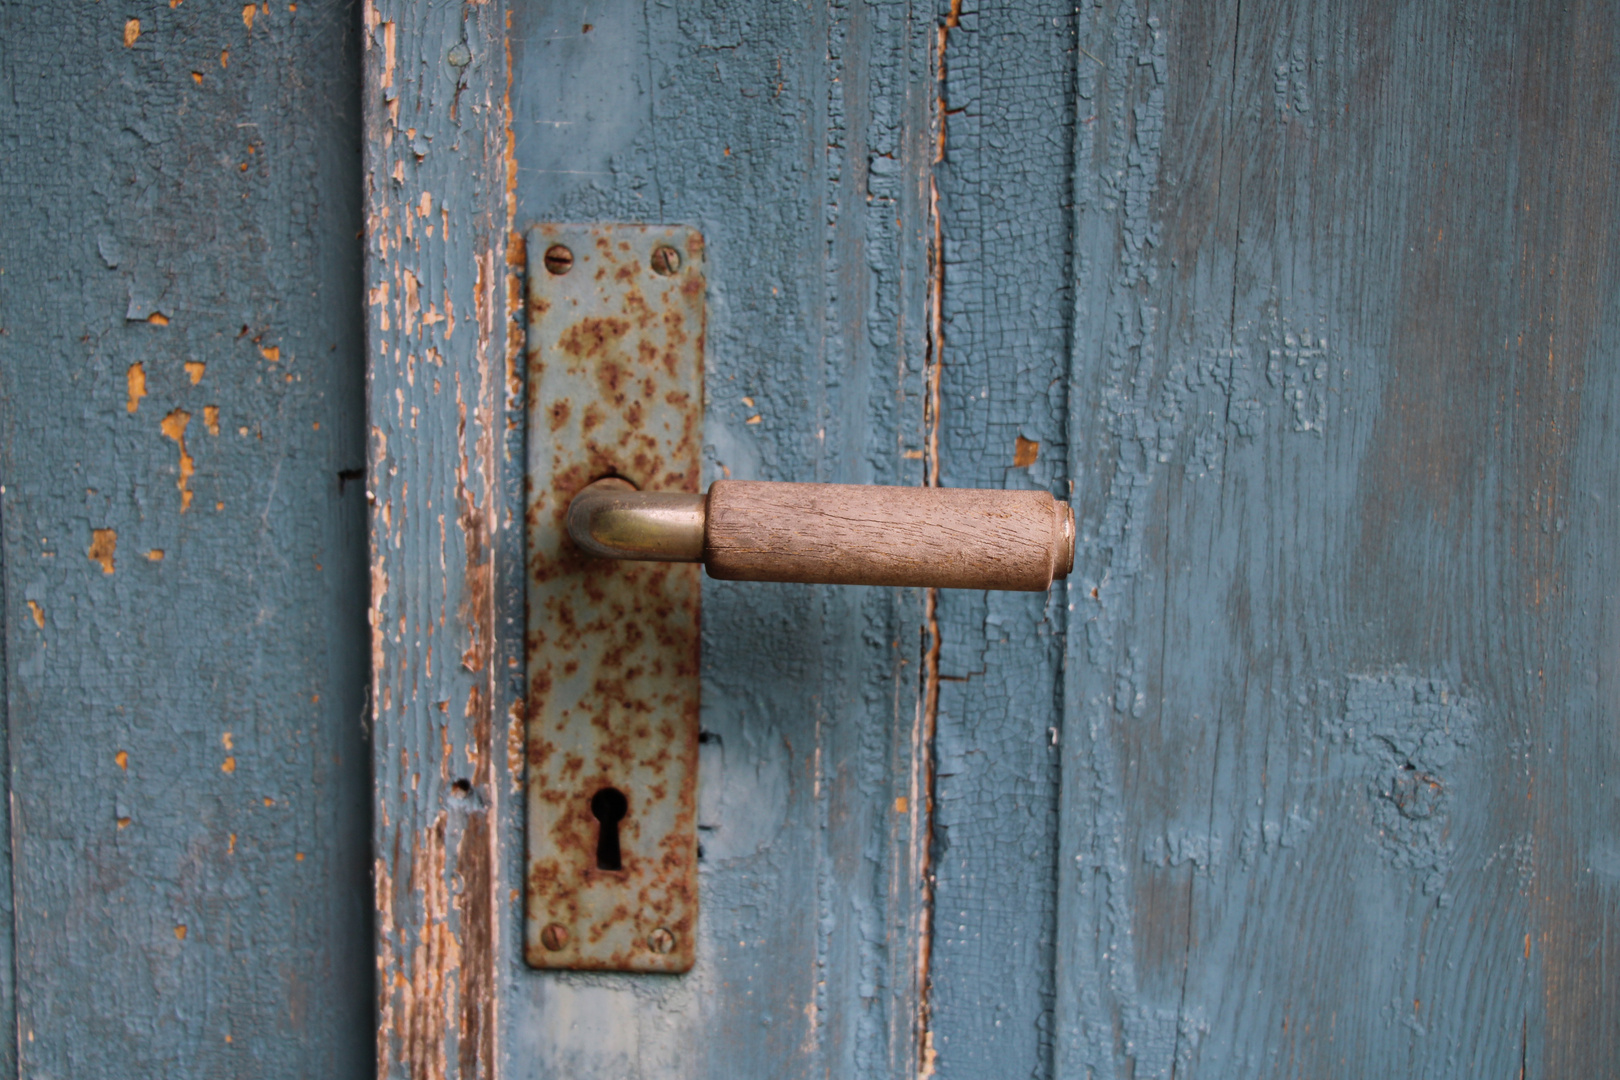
(615, 363)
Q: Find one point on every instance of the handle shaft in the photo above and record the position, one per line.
(835, 534)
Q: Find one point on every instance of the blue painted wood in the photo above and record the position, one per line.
(1338, 730)
(798, 140)
(1303, 773)
(179, 319)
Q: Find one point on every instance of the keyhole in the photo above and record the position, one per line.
(608, 806)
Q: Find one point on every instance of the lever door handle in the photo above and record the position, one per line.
(835, 534)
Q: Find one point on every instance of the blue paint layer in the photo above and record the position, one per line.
(184, 684)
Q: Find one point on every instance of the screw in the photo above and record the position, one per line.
(666, 260)
(559, 260)
(554, 937)
(661, 941)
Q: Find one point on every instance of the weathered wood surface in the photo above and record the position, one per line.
(875, 534)
(798, 139)
(180, 447)
(442, 277)
(1340, 699)
(1304, 771)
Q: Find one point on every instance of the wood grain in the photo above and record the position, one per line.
(181, 455)
(1340, 726)
(442, 350)
(855, 534)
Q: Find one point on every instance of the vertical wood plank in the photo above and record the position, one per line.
(437, 276)
(797, 139)
(1339, 729)
(181, 446)
(1003, 219)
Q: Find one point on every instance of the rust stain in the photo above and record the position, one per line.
(1025, 451)
(136, 379)
(103, 545)
(174, 427)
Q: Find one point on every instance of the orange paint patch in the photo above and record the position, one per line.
(195, 369)
(211, 418)
(136, 377)
(123, 823)
(753, 419)
(122, 759)
(180, 932)
(902, 804)
(298, 857)
(224, 58)
(103, 545)
(132, 31)
(229, 766)
(155, 555)
(157, 318)
(272, 353)
(247, 16)
(231, 850)
(196, 77)
(38, 613)
(174, 427)
(1025, 451)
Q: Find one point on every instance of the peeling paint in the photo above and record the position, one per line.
(103, 545)
(174, 427)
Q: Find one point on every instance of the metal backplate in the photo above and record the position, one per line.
(615, 354)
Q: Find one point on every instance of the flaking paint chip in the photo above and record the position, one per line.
(38, 613)
(157, 318)
(136, 378)
(155, 555)
(211, 418)
(248, 13)
(195, 369)
(1025, 451)
(180, 932)
(174, 427)
(229, 765)
(121, 759)
(103, 545)
(271, 353)
(132, 31)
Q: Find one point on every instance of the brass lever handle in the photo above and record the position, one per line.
(835, 534)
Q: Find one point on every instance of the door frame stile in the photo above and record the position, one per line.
(442, 262)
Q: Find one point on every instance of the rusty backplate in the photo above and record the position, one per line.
(615, 354)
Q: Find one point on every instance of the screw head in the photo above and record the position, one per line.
(554, 937)
(460, 56)
(661, 941)
(559, 260)
(665, 260)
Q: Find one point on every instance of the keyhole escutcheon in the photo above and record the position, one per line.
(609, 806)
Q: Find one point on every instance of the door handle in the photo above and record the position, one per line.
(834, 534)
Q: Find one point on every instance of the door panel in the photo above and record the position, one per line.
(181, 415)
(1305, 306)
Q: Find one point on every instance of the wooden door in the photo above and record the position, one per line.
(1305, 306)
